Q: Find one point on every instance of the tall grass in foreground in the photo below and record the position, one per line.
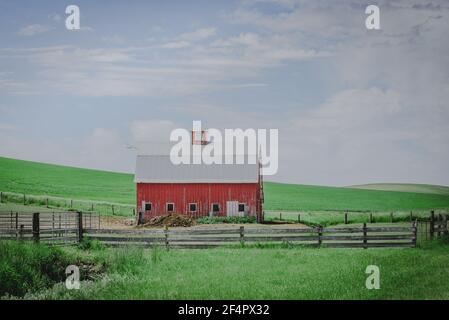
(265, 273)
(29, 267)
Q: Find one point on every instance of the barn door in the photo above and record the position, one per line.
(232, 208)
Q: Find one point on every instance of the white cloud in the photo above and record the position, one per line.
(174, 45)
(55, 17)
(152, 136)
(85, 28)
(146, 71)
(114, 39)
(199, 34)
(102, 149)
(384, 115)
(362, 136)
(33, 29)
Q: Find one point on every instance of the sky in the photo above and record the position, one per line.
(352, 105)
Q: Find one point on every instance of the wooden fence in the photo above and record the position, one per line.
(55, 228)
(59, 203)
(435, 226)
(62, 228)
(355, 237)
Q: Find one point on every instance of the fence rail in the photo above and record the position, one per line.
(433, 227)
(364, 237)
(59, 203)
(53, 228)
(72, 227)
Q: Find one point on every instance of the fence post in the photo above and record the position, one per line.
(47, 202)
(371, 217)
(415, 232)
(365, 239)
(1, 197)
(320, 233)
(280, 216)
(242, 235)
(60, 225)
(80, 226)
(36, 227)
(112, 210)
(439, 225)
(446, 231)
(432, 224)
(346, 218)
(166, 237)
(299, 218)
(411, 216)
(391, 217)
(24, 199)
(140, 217)
(21, 232)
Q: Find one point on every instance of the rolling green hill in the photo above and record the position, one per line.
(302, 197)
(404, 187)
(34, 178)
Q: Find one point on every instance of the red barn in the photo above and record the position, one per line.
(197, 189)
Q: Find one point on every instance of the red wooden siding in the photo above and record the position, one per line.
(203, 194)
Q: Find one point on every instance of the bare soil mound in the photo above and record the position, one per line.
(169, 220)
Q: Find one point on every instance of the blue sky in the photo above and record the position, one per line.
(352, 105)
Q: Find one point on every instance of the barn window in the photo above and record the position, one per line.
(147, 206)
(192, 207)
(241, 207)
(215, 207)
(170, 207)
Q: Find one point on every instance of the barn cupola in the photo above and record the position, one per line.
(199, 136)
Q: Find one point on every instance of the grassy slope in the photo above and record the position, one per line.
(300, 197)
(404, 187)
(67, 182)
(269, 273)
(75, 183)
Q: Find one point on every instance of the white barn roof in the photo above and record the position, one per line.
(159, 169)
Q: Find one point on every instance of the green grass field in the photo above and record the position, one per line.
(245, 273)
(329, 218)
(404, 187)
(292, 197)
(31, 178)
(224, 273)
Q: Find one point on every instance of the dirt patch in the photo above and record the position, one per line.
(111, 222)
(91, 271)
(169, 220)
